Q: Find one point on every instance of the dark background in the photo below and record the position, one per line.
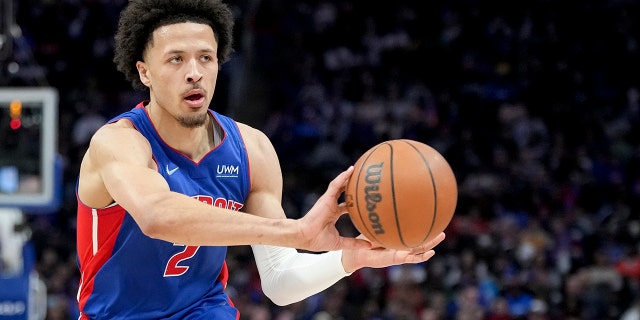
(535, 104)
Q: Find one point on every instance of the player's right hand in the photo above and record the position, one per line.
(318, 225)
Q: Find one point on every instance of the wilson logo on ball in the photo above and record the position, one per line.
(402, 193)
(372, 196)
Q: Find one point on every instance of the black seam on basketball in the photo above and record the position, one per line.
(393, 195)
(369, 233)
(435, 190)
(357, 200)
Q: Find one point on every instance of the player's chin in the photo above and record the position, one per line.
(193, 120)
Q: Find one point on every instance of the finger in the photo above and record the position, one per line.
(437, 240)
(429, 245)
(340, 182)
(342, 208)
(348, 174)
(420, 257)
(338, 185)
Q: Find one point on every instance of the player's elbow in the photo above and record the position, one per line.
(150, 228)
(283, 292)
(151, 218)
(280, 299)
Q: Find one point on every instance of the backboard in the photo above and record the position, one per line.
(28, 146)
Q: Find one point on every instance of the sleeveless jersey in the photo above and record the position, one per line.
(128, 275)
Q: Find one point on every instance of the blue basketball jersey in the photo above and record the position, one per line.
(128, 275)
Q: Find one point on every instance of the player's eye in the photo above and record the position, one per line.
(206, 58)
(175, 59)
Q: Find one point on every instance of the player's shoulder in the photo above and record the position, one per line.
(247, 129)
(258, 144)
(252, 135)
(118, 133)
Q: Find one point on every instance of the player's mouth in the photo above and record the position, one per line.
(195, 98)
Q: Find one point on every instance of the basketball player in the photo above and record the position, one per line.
(165, 187)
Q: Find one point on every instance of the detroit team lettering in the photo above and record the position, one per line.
(173, 269)
(372, 196)
(220, 202)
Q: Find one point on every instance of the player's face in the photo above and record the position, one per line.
(180, 68)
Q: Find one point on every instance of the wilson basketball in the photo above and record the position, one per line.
(402, 193)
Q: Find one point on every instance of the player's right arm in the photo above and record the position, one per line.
(117, 151)
(118, 168)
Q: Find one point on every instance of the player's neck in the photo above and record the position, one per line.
(193, 142)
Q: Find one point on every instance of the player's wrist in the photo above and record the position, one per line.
(283, 233)
(306, 235)
(348, 261)
(337, 258)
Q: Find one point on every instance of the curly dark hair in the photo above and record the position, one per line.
(140, 18)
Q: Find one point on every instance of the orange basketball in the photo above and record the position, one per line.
(402, 193)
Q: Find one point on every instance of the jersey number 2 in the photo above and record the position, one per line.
(173, 269)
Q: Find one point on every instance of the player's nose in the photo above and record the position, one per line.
(194, 74)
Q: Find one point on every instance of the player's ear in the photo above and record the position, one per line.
(142, 72)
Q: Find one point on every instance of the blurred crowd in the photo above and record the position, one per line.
(535, 104)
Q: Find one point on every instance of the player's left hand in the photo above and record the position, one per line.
(380, 257)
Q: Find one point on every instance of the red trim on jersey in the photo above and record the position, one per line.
(101, 226)
(247, 156)
(223, 277)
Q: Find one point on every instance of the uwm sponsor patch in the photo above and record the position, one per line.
(227, 171)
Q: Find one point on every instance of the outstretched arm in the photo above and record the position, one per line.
(289, 276)
(119, 167)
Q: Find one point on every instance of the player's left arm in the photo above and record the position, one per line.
(287, 275)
